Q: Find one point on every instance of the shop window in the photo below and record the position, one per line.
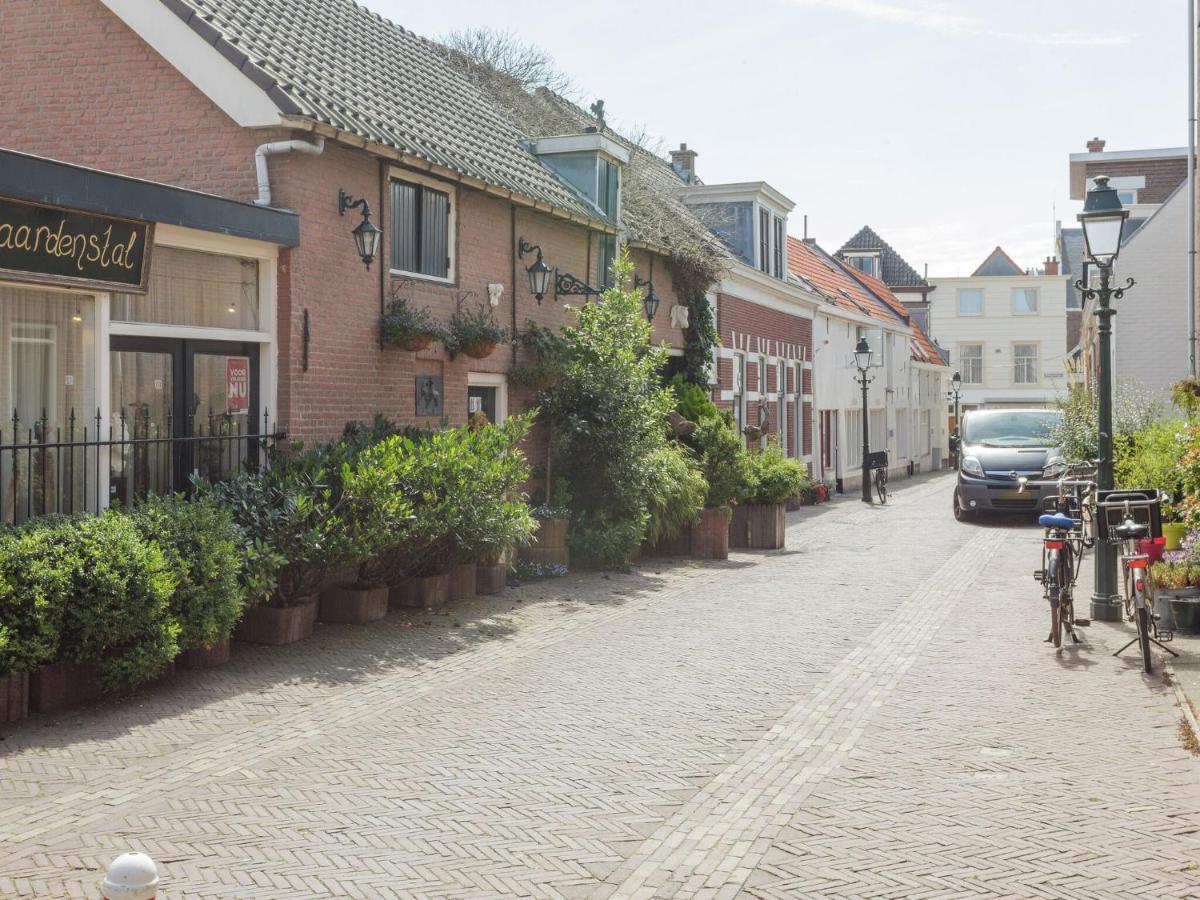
(420, 224)
(189, 287)
(47, 369)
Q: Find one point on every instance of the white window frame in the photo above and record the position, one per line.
(1012, 301)
(959, 305)
(450, 190)
(958, 351)
(1037, 361)
(497, 380)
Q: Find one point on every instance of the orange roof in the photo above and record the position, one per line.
(808, 261)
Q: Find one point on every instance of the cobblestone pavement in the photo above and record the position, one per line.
(869, 713)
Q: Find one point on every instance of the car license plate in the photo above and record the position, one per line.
(1012, 494)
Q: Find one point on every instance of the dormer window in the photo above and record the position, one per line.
(867, 263)
(772, 243)
(591, 164)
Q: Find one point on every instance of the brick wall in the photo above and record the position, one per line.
(1162, 175)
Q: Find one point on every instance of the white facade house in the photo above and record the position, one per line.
(1006, 333)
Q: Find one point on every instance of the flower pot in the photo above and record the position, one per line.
(420, 592)
(491, 578)
(548, 545)
(1150, 548)
(794, 503)
(14, 697)
(757, 526)
(1174, 532)
(414, 342)
(479, 349)
(710, 536)
(1187, 611)
(349, 605)
(462, 581)
(201, 658)
(278, 625)
(63, 684)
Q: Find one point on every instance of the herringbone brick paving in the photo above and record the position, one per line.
(831, 720)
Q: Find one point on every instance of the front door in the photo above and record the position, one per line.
(179, 408)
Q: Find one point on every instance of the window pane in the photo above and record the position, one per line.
(47, 360)
(608, 253)
(403, 224)
(188, 287)
(970, 363)
(1025, 363)
(435, 218)
(970, 302)
(1024, 301)
(764, 240)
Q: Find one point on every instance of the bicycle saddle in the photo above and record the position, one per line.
(1131, 531)
(1055, 520)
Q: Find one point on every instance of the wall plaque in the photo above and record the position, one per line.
(53, 245)
(429, 395)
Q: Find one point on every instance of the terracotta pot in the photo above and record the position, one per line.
(491, 578)
(278, 625)
(350, 605)
(415, 342)
(421, 592)
(14, 697)
(462, 581)
(710, 536)
(200, 658)
(63, 684)
(479, 349)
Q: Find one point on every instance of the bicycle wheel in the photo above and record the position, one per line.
(1089, 525)
(881, 484)
(1143, 627)
(1053, 593)
(1066, 594)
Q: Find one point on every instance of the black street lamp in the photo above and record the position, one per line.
(956, 385)
(1103, 219)
(650, 301)
(862, 359)
(539, 273)
(366, 235)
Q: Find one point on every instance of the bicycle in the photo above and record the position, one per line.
(881, 484)
(1138, 595)
(1062, 552)
(878, 463)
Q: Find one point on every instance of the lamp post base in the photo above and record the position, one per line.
(1107, 608)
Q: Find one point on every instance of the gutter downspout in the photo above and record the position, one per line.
(1191, 188)
(273, 148)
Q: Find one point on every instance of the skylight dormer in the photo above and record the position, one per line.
(591, 163)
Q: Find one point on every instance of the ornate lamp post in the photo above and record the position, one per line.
(956, 385)
(862, 359)
(1103, 220)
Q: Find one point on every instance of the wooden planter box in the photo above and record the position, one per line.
(348, 605)
(276, 626)
(680, 545)
(63, 684)
(757, 526)
(491, 578)
(548, 545)
(425, 592)
(199, 658)
(709, 537)
(14, 697)
(462, 581)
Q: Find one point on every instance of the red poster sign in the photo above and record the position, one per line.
(237, 384)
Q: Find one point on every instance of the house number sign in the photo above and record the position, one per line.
(52, 245)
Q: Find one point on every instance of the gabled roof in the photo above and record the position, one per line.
(921, 347)
(809, 262)
(339, 64)
(895, 271)
(998, 263)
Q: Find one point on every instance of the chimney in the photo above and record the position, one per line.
(1051, 265)
(683, 161)
(1095, 145)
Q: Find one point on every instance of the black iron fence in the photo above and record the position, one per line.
(81, 467)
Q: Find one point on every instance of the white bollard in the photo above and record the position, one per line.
(132, 876)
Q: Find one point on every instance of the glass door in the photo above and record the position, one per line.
(222, 396)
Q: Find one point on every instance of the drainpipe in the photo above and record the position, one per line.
(273, 148)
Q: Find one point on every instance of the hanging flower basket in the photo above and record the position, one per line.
(414, 342)
(479, 349)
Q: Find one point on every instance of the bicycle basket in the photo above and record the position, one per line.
(1143, 507)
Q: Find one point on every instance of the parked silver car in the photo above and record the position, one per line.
(997, 448)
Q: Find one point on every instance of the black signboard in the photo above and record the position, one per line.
(51, 245)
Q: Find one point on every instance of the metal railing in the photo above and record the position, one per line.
(78, 468)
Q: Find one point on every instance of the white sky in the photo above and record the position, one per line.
(944, 125)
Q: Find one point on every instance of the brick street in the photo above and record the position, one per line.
(868, 713)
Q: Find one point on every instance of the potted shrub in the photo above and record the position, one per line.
(547, 544)
(34, 589)
(676, 500)
(203, 546)
(758, 522)
(474, 332)
(723, 463)
(403, 325)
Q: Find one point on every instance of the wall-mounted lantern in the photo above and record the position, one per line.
(650, 301)
(366, 235)
(539, 273)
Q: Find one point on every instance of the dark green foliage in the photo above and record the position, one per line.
(723, 460)
(402, 322)
(473, 326)
(773, 478)
(700, 339)
(692, 401)
(204, 549)
(678, 495)
(34, 591)
(548, 349)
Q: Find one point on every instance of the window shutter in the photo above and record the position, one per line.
(435, 232)
(403, 222)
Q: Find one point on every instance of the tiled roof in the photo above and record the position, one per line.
(342, 65)
(895, 270)
(998, 263)
(812, 264)
(922, 347)
(1070, 248)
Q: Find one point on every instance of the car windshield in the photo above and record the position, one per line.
(1015, 428)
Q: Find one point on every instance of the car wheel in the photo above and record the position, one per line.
(961, 514)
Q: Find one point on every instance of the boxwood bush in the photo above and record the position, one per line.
(34, 590)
